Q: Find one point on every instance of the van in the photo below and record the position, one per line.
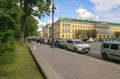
(110, 50)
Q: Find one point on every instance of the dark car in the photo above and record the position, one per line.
(60, 43)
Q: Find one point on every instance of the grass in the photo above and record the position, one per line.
(18, 65)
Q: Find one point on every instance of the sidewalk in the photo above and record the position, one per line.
(62, 64)
(47, 70)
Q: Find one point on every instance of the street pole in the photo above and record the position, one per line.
(52, 46)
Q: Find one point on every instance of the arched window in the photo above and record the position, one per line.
(104, 36)
(107, 36)
(100, 36)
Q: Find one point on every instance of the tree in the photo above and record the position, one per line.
(78, 33)
(117, 34)
(28, 8)
(31, 26)
(94, 33)
(9, 24)
(88, 33)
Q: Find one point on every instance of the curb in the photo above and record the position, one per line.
(47, 71)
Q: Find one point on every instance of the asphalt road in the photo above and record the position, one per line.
(95, 52)
(71, 65)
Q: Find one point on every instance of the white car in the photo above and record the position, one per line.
(77, 46)
(90, 40)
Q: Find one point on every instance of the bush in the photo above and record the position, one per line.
(8, 46)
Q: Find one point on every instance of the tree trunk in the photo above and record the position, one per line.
(23, 19)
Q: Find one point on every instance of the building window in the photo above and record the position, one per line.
(69, 36)
(107, 36)
(62, 35)
(73, 36)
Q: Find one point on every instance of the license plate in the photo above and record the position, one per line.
(86, 49)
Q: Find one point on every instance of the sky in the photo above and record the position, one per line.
(97, 10)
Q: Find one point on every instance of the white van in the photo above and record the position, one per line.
(110, 50)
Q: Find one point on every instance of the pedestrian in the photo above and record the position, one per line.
(43, 41)
(48, 42)
(29, 40)
(40, 41)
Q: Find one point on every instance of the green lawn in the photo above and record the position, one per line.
(18, 65)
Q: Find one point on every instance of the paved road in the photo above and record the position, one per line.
(71, 65)
(95, 50)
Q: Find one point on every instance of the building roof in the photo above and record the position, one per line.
(87, 21)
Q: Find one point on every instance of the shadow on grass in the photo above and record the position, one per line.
(7, 58)
(3, 74)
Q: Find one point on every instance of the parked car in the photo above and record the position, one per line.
(118, 39)
(60, 43)
(110, 50)
(90, 40)
(85, 39)
(77, 46)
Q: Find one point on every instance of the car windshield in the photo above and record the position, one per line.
(61, 41)
(78, 42)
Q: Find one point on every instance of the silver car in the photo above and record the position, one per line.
(77, 46)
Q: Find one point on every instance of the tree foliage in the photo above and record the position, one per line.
(78, 33)
(35, 7)
(88, 33)
(94, 33)
(91, 33)
(117, 34)
(31, 26)
(9, 24)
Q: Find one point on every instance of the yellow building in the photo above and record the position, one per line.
(115, 28)
(72, 28)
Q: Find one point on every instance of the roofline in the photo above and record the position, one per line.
(86, 21)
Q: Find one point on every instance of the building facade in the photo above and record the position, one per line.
(72, 28)
(46, 31)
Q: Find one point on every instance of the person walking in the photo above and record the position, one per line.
(40, 41)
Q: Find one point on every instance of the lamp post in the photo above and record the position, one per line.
(52, 46)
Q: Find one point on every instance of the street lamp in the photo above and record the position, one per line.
(53, 7)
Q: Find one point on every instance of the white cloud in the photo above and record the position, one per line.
(42, 24)
(105, 5)
(85, 15)
(49, 20)
(111, 17)
(107, 10)
(35, 8)
(39, 22)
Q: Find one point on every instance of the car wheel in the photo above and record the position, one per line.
(66, 47)
(104, 56)
(86, 52)
(75, 50)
